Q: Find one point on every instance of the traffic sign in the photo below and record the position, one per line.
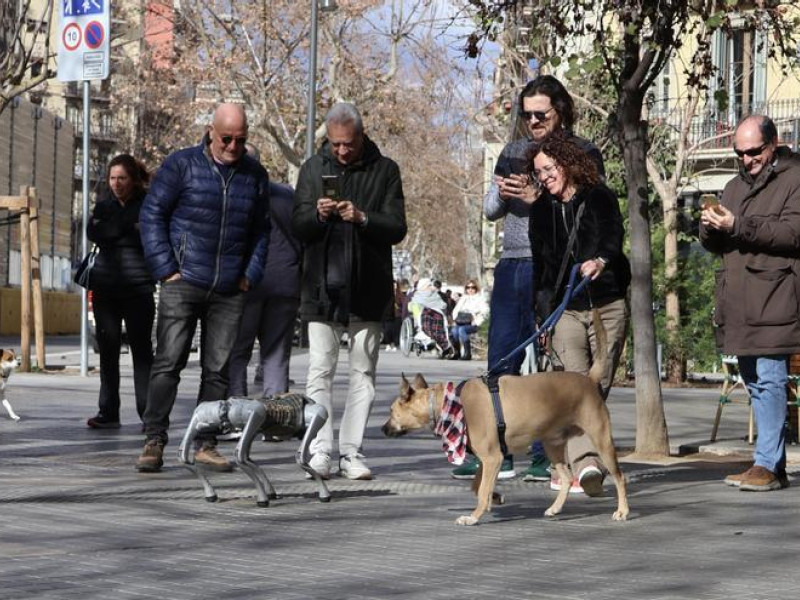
(83, 52)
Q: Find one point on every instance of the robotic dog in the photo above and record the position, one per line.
(279, 415)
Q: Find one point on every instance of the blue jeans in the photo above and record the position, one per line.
(766, 378)
(459, 336)
(180, 306)
(511, 310)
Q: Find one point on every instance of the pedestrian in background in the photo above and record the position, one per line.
(756, 229)
(270, 309)
(122, 288)
(468, 314)
(347, 274)
(205, 230)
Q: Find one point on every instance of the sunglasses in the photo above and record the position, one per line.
(227, 139)
(541, 115)
(470, 287)
(752, 152)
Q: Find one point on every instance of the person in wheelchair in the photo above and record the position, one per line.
(432, 317)
(468, 314)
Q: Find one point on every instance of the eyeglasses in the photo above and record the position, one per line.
(470, 287)
(541, 115)
(546, 171)
(227, 139)
(752, 152)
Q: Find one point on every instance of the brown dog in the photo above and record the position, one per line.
(551, 407)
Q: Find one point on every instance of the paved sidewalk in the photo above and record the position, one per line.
(79, 522)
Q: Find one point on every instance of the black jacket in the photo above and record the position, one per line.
(347, 268)
(119, 268)
(600, 234)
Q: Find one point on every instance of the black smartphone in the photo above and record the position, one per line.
(330, 187)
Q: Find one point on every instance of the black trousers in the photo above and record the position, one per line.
(109, 312)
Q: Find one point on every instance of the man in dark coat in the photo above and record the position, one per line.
(204, 228)
(756, 229)
(348, 228)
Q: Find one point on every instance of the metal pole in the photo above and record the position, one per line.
(85, 221)
(312, 84)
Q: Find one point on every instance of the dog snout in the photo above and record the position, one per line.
(391, 430)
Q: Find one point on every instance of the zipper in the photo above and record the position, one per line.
(223, 221)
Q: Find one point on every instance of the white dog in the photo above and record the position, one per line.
(8, 362)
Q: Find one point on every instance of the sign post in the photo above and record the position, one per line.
(83, 55)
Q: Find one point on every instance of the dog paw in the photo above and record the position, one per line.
(498, 499)
(466, 520)
(551, 512)
(620, 515)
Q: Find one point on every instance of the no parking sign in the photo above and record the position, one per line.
(83, 49)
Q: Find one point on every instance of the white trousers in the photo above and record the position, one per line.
(324, 342)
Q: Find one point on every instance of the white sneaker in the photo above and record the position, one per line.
(321, 463)
(591, 481)
(354, 467)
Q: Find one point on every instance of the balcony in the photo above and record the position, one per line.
(711, 131)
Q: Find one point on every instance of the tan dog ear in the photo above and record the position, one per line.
(419, 382)
(405, 387)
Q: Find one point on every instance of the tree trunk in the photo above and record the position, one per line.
(651, 425)
(675, 363)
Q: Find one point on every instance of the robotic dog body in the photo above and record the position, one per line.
(280, 415)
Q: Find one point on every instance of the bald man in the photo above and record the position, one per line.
(205, 229)
(756, 230)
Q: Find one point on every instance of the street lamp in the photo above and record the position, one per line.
(311, 113)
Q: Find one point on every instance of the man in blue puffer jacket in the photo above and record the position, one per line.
(205, 229)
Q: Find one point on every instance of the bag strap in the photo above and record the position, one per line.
(573, 236)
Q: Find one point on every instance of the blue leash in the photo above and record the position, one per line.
(570, 291)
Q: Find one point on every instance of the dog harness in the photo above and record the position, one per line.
(493, 383)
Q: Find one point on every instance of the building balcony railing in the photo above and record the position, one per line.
(712, 129)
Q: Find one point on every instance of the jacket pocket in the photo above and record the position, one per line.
(180, 251)
(719, 297)
(771, 297)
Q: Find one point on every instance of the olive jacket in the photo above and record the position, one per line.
(757, 296)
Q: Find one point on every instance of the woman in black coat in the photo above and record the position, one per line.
(122, 289)
(577, 220)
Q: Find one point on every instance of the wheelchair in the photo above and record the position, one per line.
(413, 338)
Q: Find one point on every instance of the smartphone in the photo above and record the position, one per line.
(330, 187)
(709, 201)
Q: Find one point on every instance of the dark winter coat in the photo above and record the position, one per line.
(211, 228)
(119, 268)
(600, 234)
(373, 184)
(757, 297)
(285, 254)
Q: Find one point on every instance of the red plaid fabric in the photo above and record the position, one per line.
(434, 327)
(452, 427)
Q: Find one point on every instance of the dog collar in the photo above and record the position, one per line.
(432, 408)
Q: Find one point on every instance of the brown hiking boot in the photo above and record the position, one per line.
(760, 479)
(208, 456)
(736, 480)
(152, 457)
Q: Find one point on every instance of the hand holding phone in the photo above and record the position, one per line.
(711, 202)
(330, 187)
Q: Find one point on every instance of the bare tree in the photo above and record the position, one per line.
(24, 47)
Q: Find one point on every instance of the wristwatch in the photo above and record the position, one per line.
(603, 261)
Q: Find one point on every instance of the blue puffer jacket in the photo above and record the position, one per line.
(213, 230)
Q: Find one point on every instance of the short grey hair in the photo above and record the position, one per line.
(345, 113)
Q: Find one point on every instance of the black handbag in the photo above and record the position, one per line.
(464, 318)
(84, 271)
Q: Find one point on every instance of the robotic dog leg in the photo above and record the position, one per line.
(315, 417)
(256, 415)
(203, 414)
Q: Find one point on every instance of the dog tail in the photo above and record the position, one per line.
(600, 363)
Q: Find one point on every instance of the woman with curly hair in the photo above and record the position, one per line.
(577, 220)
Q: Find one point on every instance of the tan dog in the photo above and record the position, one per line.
(8, 362)
(551, 407)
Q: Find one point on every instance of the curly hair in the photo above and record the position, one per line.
(579, 169)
